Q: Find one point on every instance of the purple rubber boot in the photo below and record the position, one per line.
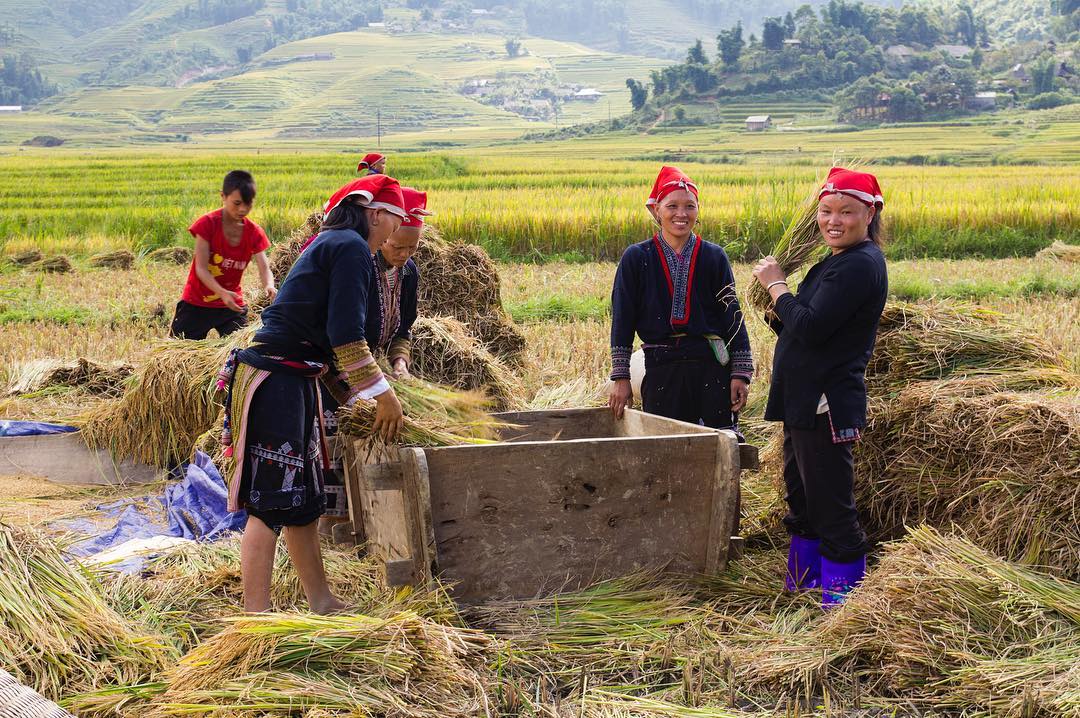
(803, 564)
(837, 580)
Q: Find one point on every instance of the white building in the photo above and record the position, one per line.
(758, 123)
(590, 94)
(983, 101)
(10, 108)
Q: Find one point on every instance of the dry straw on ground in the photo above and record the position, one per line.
(120, 259)
(940, 623)
(57, 633)
(171, 255)
(25, 258)
(44, 374)
(1060, 250)
(58, 264)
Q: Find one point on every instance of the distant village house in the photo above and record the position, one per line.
(958, 52)
(590, 94)
(10, 108)
(983, 101)
(758, 123)
(900, 53)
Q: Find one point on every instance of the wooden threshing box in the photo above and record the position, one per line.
(567, 498)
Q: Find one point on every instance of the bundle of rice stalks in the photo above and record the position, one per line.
(57, 633)
(171, 255)
(800, 243)
(461, 281)
(1003, 468)
(941, 340)
(401, 665)
(1060, 250)
(43, 374)
(444, 352)
(942, 623)
(26, 258)
(359, 419)
(284, 254)
(120, 259)
(58, 264)
(168, 405)
(636, 629)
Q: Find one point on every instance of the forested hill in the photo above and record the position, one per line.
(874, 63)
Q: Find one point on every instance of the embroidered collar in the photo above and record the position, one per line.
(679, 272)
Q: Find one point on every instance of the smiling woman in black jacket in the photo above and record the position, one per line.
(826, 335)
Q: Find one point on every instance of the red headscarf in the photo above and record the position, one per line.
(415, 207)
(669, 180)
(863, 186)
(374, 191)
(369, 159)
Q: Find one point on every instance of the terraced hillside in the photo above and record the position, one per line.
(344, 84)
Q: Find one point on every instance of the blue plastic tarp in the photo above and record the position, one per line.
(193, 508)
(31, 428)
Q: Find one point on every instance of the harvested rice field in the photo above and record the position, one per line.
(968, 481)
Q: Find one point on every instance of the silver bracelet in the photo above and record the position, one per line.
(770, 285)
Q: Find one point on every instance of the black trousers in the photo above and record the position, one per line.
(194, 322)
(692, 390)
(819, 477)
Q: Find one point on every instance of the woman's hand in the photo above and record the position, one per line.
(231, 300)
(768, 270)
(621, 397)
(740, 392)
(389, 418)
(400, 368)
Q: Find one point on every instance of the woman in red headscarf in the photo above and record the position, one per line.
(826, 334)
(314, 330)
(372, 164)
(676, 292)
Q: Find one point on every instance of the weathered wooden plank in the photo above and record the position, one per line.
(724, 513)
(353, 491)
(521, 519)
(65, 459)
(399, 572)
(748, 457)
(640, 423)
(556, 425)
(417, 494)
(383, 477)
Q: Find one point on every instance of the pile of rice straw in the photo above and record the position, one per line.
(169, 403)
(43, 374)
(58, 264)
(120, 259)
(27, 257)
(443, 351)
(284, 254)
(941, 624)
(171, 255)
(1062, 251)
(461, 281)
(1002, 467)
(400, 664)
(58, 635)
(939, 340)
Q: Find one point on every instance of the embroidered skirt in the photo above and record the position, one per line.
(281, 474)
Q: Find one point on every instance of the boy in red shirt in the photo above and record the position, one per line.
(225, 243)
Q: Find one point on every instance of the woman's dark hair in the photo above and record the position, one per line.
(348, 215)
(239, 180)
(876, 231)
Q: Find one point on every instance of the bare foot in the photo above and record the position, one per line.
(331, 606)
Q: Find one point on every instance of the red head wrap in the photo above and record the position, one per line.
(374, 192)
(863, 186)
(415, 207)
(669, 180)
(369, 159)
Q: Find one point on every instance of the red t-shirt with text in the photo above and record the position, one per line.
(227, 263)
